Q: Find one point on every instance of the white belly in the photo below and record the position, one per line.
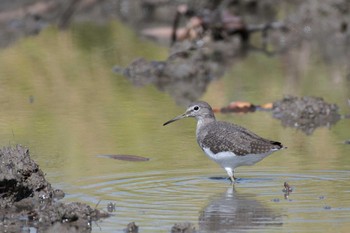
(230, 160)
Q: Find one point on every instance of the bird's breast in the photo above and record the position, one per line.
(231, 160)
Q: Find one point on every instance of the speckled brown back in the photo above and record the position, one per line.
(222, 136)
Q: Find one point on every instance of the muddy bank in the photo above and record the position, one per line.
(29, 201)
(305, 113)
(185, 74)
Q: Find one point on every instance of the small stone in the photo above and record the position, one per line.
(58, 194)
(132, 228)
(111, 207)
(183, 227)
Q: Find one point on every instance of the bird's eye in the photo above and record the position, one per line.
(196, 108)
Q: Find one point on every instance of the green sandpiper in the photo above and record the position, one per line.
(227, 144)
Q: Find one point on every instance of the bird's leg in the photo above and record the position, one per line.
(230, 174)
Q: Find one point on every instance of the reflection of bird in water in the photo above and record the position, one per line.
(227, 144)
(233, 212)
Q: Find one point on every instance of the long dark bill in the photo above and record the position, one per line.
(174, 119)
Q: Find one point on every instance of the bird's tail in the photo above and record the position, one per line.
(278, 145)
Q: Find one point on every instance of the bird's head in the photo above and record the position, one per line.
(199, 110)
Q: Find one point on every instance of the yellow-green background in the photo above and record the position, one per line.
(60, 98)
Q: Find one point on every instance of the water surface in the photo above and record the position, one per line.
(60, 98)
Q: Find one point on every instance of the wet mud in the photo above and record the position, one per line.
(305, 113)
(29, 201)
(186, 73)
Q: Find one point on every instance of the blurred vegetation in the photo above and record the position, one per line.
(60, 97)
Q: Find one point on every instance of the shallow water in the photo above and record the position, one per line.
(61, 99)
(157, 199)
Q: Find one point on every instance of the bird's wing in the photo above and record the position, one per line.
(229, 137)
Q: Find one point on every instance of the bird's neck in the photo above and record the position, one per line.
(202, 121)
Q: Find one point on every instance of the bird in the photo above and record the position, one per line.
(227, 144)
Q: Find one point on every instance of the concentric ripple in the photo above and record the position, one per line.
(156, 200)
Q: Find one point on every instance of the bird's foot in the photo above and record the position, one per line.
(233, 179)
